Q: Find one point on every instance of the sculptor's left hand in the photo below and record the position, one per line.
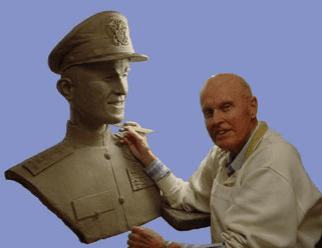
(141, 237)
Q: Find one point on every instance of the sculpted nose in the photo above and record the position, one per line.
(121, 86)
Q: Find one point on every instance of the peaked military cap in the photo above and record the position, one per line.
(102, 37)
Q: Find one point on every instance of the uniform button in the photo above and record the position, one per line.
(107, 156)
(121, 200)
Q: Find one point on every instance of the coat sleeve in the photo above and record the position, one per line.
(195, 193)
(265, 211)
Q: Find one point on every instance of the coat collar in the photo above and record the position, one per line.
(81, 136)
(248, 148)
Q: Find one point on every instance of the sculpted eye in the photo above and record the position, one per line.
(110, 77)
(126, 72)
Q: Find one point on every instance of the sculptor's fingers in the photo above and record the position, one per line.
(132, 133)
(145, 238)
(143, 232)
(131, 123)
(129, 135)
(136, 240)
(137, 229)
(138, 236)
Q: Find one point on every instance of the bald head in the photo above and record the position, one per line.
(234, 83)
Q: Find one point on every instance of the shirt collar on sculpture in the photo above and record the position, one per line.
(81, 136)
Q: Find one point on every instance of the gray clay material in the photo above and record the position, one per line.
(90, 181)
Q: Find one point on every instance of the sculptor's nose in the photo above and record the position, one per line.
(215, 120)
(217, 117)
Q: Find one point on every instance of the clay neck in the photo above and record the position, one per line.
(88, 137)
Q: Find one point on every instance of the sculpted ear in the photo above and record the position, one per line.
(65, 87)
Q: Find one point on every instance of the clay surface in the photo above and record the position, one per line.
(90, 181)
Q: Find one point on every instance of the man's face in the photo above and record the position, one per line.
(100, 91)
(228, 114)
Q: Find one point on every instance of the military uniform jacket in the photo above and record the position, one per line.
(93, 184)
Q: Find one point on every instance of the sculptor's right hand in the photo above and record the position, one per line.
(138, 145)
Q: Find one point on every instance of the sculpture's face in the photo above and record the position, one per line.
(100, 91)
(228, 114)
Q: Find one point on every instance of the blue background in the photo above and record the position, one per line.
(275, 45)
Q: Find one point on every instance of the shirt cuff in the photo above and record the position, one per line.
(157, 170)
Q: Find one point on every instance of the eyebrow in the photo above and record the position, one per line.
(126, 69)
(222, 104)
(225, 103)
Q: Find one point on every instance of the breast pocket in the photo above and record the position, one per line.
(94, 205)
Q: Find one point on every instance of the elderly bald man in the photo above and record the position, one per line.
(252, 181)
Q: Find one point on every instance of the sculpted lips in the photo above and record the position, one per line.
(117, 103)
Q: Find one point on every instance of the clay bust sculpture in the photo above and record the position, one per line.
(88, 180)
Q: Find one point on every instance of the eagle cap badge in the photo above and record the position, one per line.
(118, 31)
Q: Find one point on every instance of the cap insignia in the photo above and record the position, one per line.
(117, 30)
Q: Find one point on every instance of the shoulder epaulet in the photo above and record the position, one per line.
(47, 158)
